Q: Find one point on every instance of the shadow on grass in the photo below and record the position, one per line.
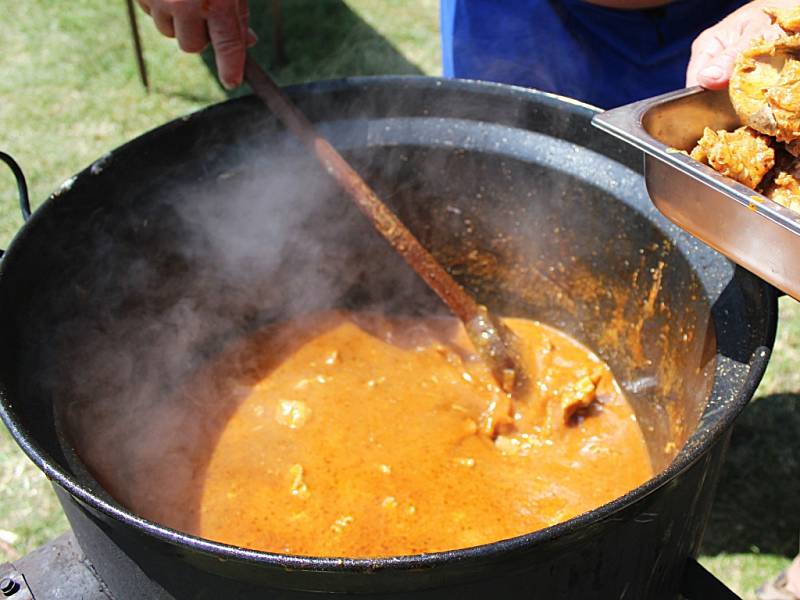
(757, 505)
(324, 39)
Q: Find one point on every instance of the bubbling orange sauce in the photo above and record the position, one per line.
(364, 439)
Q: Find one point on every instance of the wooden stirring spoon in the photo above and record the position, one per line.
(495, 343)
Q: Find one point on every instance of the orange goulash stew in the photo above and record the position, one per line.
(358, 435)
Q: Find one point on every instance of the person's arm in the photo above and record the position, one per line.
(714, 51)
(196, 23)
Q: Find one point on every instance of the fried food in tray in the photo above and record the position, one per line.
(765, 88)
(787, 19)
(765, 93)
(783, 186)
(744, 155)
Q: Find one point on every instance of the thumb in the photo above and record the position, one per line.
(717, 71)
(704, 49)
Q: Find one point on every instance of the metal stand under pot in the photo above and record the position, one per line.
(60, 571)
(512, 175)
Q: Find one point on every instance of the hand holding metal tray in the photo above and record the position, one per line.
(742, 224)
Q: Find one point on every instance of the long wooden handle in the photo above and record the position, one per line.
(492, 339)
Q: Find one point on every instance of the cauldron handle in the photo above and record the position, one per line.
(22, 187)
(699, 584)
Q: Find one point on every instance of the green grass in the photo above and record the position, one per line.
(29, 511)
(69, 92)
(783, 374)
(754, 526)
(69, 89)
(745, 572)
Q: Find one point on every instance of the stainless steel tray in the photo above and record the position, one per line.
(745, 226)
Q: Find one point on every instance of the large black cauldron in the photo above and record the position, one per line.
(529, 207)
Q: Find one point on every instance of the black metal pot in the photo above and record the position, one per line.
(528, 206)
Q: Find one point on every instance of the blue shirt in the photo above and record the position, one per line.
(603, 56)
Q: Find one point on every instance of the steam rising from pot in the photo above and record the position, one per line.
(239, 227)
(205, 264)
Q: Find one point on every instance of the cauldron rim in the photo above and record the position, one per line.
(687, 457)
